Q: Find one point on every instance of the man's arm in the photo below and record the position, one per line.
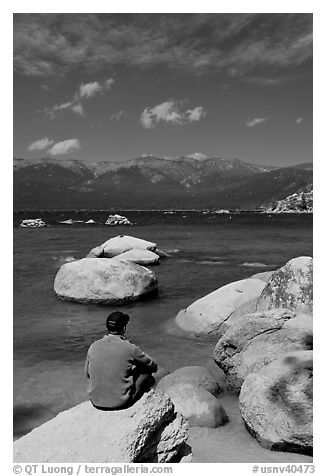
(143, 360)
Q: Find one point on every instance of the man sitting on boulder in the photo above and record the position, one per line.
(119, 371)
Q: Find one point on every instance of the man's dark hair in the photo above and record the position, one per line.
(116, 321)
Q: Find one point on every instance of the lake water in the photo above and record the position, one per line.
(207, 251)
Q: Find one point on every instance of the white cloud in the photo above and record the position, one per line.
(89, 89)
(117, 115)
(85, 91)
(58, 108)
(196, 114)
(40, 144)
(299, 120)
(198, 156)
(146, 120)
(171, 112)
(78, 109)
(254, 122)
(65, 147)
(109, 83)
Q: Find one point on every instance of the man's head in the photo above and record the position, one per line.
(116, 322)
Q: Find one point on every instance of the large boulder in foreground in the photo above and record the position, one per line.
(276, 403)
(122, 243)
(206, 315)
(289, 287)
(258, 339)
(103, 281)
(150, 431)
(142, 257)
(194, 375)
(196, 404)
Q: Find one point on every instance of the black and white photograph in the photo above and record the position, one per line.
(162, 239)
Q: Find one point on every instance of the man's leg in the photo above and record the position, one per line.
(143, 383)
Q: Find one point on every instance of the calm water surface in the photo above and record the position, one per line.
(51, 337)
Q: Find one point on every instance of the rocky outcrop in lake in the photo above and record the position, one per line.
(276, 403)
(129, 248)
(150, 432)
(300, 202)
(257, 322)
(103, 281)
(253, 351)
(33, 223)
(258, 339)
(116, 219)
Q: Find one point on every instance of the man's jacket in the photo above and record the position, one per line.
(110, 366)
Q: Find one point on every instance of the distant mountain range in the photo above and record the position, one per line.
(153, 183)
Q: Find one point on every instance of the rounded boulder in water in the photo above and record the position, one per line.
(103, 281)
(208, 314)
(143, 257)
(196, 404)
(119, 244)
(195, 375)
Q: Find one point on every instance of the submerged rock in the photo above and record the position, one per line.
(143, 257)
(103, 281)
(161, 253)
(122, 243)
(206, 315)
(67, 222)
(258, 339)
(150, 431)
(289, 287)
(70, 221)
(195, 403)
(33, 223)
(276, 403)
(194, 375)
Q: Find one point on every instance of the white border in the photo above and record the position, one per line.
(169, 6)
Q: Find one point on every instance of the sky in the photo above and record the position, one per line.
(110, 87)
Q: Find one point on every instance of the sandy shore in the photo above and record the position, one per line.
(232, 443)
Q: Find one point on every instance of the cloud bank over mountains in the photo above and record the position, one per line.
(249, 47)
